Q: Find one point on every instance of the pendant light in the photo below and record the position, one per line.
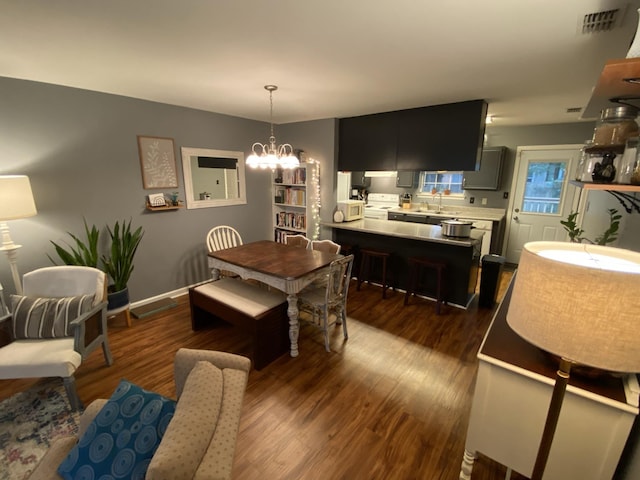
(271, 156)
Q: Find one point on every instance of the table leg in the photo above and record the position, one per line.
(294, 326)
(467, 465)
(215, 274)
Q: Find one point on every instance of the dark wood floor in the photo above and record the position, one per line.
(390, 403)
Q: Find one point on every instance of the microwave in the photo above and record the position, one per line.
(351, 209)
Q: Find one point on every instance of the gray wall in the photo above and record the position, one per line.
(514, 137)
(79, 149)
(318, 140)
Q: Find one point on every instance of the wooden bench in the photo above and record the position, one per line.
(260, 312)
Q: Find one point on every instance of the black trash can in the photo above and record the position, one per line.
(491, 269)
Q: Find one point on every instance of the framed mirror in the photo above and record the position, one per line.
(213, 178)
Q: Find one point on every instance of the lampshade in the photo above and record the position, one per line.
(16, 198)
(580, 302)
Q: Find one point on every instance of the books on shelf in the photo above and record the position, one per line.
(297, 221)
(297, 176)
(291, 196)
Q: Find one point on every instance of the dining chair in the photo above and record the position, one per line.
(220, 238)
(297, 241)
(325, 246)
(322, 302)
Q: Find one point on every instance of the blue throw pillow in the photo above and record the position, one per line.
(122, 438)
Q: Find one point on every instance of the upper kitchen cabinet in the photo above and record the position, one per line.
(441, 137)
(490, 173)
(367, 142)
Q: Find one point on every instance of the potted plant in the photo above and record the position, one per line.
(575, 233)
(119, 263)
(83, 253)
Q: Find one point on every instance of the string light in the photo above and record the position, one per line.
(315, 205)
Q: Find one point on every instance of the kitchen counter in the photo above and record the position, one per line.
(405, 240)
(466, 213)
(414, 231)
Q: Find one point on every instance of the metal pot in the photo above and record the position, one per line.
(456, 228)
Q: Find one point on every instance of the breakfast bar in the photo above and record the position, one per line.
(405, 240)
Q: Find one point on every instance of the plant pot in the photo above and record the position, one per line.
(117, 301)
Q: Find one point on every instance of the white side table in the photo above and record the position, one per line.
(512, 394)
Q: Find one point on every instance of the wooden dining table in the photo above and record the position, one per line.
(284, 267)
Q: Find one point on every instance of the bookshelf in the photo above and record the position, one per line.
(295, 201)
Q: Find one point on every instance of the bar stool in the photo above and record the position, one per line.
(367, 257)
(416, 266)
(347, 249)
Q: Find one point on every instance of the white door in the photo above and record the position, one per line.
(541, 196)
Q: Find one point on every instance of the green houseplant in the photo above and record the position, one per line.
(608, 236)
(119, 263)
(82, 253)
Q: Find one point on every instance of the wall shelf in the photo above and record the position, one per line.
(163, 208)
(618, 190)
(618, 84)
(619, 187)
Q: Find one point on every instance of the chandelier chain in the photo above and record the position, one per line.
(272, 156)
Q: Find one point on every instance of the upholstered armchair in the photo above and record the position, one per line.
(59, 320)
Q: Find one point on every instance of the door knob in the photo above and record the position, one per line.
(516, 218)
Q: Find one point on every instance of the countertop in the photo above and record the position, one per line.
(448, 211)
(414, 231)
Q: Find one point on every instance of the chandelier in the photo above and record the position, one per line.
(271, 156)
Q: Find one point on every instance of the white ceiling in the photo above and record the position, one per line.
(330, 58)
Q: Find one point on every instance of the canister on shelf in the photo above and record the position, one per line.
(615, 125)
(635, 175)
(628, 161)
(586, 163)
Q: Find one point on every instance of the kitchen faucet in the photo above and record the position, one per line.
(439, 201)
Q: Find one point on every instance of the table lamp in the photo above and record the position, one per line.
(582, 304)
(16, 201)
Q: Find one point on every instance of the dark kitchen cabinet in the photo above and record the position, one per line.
(358, 180)
(406, 179)
(367, 142)
(441, 137)
(489, 175)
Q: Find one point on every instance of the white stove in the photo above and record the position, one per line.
(378, 204)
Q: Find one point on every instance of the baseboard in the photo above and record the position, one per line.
(171, 294)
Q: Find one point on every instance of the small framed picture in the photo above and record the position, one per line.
(158, 162)
(157, 200)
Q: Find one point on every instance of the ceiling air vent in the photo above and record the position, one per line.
(601, 21)
(574, 109)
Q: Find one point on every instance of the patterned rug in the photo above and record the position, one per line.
(29, 422)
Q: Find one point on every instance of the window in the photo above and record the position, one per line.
(438, 182)
(543, 189)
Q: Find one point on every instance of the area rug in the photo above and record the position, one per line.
(29, 422)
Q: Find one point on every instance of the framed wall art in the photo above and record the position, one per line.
(158, 162)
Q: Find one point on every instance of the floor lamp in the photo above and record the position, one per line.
(582, 304)
(16, 201)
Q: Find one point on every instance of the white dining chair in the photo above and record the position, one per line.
(323, 302)
(328, 246)
(221, 237)
(297, 241)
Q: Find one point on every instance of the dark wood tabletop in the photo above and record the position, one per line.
(277, 259)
